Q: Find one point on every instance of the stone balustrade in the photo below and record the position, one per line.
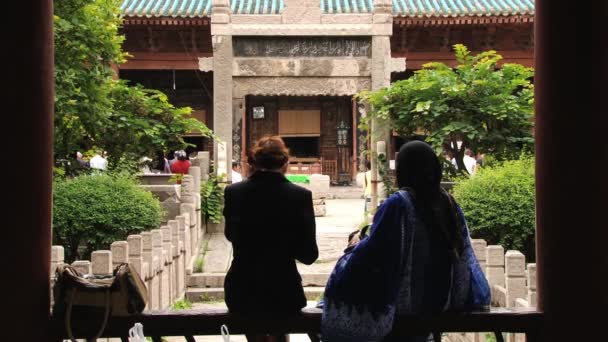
(163, 257)
(512, 281)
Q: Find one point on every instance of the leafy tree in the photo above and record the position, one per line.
(94, 110)
(144, 122)
(487, 108)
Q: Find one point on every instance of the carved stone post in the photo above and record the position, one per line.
(222, 86)
(531, 281)
(120, 253)
(515, 276)
(57, 258)
(136, 249)
(83, 266)
(479, 247)
(102, 262)
(158, 259)
(168, 275)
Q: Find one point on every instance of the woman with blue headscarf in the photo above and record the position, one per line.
(418, 259)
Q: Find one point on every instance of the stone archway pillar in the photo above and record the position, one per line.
(381, 78)
(222, 87)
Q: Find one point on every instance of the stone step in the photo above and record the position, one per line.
(315, 279)
(195, 294)
(206, 280)
(211, 280)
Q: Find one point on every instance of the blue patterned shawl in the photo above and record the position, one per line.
(367, 284)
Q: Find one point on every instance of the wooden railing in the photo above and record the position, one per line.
(189, 323)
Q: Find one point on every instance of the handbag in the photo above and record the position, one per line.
(121, 294)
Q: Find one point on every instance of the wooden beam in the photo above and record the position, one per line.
(209, 321)
(162, 61)
(415, 60)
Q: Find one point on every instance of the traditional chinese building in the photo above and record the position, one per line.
(291, 67)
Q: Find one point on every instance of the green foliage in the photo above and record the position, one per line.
(389, 181)
(182, 304)
(94, 110)
(488, 108)
(92, 211)
(498, 203)
(87, 45)
(199, 263)
(212, 198)
(145, 122)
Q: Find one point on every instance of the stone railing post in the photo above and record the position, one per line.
(479, 247)
(204, 164)
(158, 260)
(102, 263)
(495, 265)
(495, 271)
(201, 227)
(184, 237)
(195, 172)
(178, 260)
(187, 189)
(515, 276)
(82, 266)
(531, 280)
(189, 211)
(148, 265)
(165, 264)
(120, 253)
(136, 255)
(57, 258)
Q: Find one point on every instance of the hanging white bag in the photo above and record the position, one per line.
(136, 334)
(225, 333)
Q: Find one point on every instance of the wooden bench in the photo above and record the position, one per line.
(190, 323)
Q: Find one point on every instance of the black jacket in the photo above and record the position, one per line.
(270, 222)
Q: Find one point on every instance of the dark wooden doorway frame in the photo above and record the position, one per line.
(566, 318)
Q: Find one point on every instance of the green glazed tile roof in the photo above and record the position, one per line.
(347, 6)
(435, 8)
(196, 8)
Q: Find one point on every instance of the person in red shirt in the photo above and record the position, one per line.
(182, 164)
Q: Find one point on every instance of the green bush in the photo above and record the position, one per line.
(498, 203)
(92, 211)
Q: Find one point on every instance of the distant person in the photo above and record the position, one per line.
(83, 163)
(469, 161)
(236, 175)
(479, 161)
(417, 260)
(144, 163)
(173, 158)
(161, 164)
(367, 186)
(182, 164)
(98, 162)
(271, 224)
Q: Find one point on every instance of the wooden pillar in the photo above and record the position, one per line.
(571, 160)
(355, 148)
(27, 239)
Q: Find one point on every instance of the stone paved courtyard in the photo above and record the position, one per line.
(342, 217)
